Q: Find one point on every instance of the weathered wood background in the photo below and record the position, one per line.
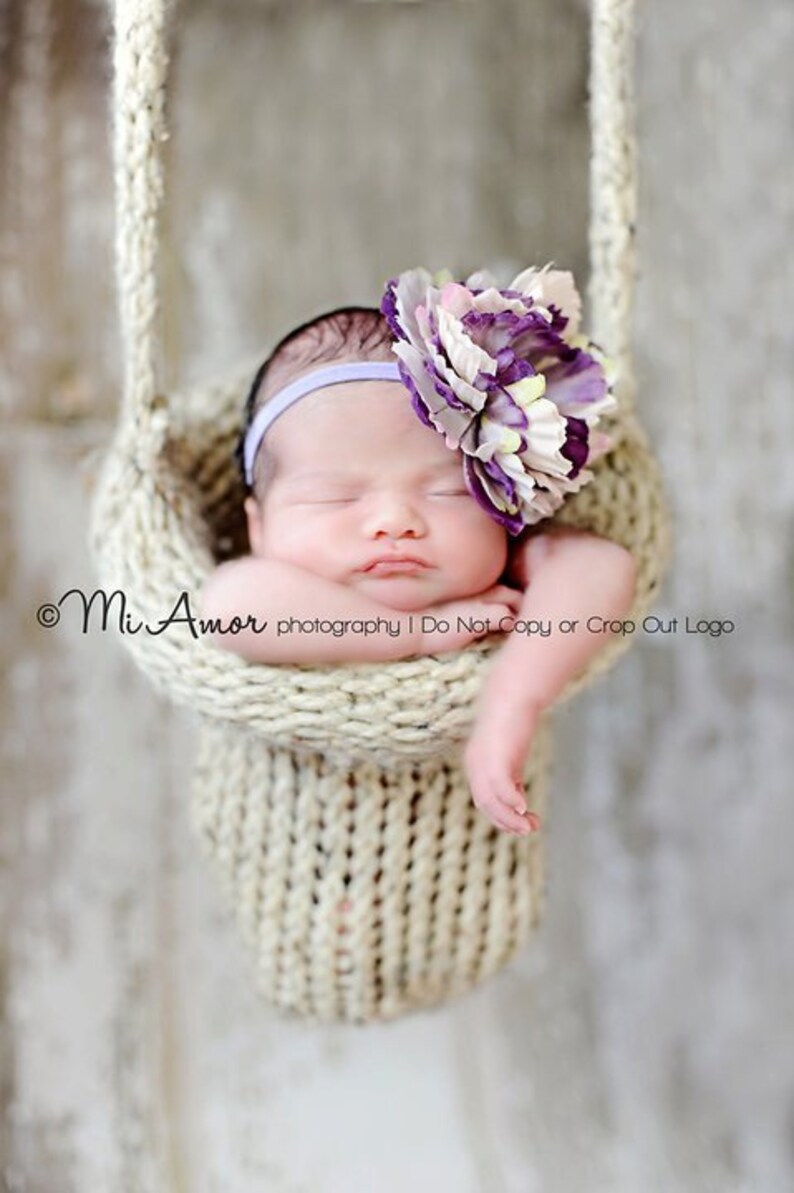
(644, 1041)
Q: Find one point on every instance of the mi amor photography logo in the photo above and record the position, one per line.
(102, 611)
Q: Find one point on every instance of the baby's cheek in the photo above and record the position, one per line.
(488, 569)
(296, 542)
(484, 548)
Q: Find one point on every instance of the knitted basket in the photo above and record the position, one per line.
(332, 800)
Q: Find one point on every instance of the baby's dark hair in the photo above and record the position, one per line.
(349, 333)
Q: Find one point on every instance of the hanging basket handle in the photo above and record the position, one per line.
(140, 62)
(613, 186)
(140, 67)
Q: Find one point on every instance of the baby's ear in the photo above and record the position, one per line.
(254, 521)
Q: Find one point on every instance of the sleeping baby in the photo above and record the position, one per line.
(371, 500)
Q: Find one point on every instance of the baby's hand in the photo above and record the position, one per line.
(469, 619)
(494, 761)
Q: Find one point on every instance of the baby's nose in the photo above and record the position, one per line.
(394, 515)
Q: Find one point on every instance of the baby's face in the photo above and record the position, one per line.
(364, 494)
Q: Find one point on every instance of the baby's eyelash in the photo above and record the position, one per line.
(331, 500)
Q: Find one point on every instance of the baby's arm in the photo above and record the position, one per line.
(270, 592)
(570, 575)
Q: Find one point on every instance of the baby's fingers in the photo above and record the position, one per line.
(497, 792)
(509, 821)
(494, 618)
(516, 799)
(502, 594)
(506, 808)
(520, 826)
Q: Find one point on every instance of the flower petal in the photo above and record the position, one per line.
(465, 357)
(552, 287)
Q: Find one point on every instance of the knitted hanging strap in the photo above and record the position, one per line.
(613, 186)
(140, 63)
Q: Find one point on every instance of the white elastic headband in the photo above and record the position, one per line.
(359, 370)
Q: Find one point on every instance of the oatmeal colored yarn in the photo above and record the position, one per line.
(331, 801)
(366, 892)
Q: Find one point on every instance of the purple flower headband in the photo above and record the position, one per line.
(505, 377)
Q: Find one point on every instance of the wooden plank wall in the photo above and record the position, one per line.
(643, 1041)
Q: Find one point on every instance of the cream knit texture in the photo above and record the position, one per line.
(332, 801)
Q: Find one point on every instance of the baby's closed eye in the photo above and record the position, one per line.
(449, 491)
(327, 497)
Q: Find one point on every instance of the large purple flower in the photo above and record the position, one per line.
(505, 377)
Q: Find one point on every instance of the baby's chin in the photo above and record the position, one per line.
(406, 594)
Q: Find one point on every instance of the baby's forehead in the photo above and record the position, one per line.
(358, 429)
